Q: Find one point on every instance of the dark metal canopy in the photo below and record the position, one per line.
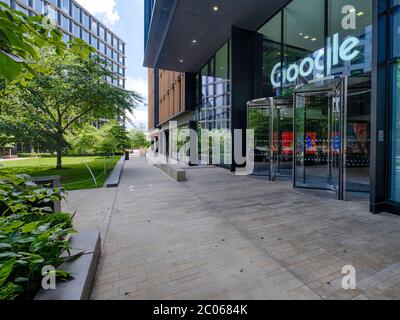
(184, 34)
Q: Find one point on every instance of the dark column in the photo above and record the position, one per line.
(242, 77)
(156, 98)
(379, 129)
(190, 92)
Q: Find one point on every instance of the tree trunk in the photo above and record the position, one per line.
(59, 158)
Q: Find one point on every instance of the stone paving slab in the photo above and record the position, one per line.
(219, 236)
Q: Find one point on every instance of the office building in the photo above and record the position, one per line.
(317, 81)
(76, 21)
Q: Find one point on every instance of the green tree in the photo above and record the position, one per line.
(6, 142)
(22, 36)
(138, 139)
(85, 142)
(53, 104)
(114, 138)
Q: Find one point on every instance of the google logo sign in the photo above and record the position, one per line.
(346, 51)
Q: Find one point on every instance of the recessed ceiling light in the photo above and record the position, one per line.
(360, 13)
(301, 34)
(181, 60)
(194, 41)
(314, 39)
(215, 8)
(306, 37)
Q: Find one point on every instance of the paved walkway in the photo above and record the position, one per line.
(219, 236)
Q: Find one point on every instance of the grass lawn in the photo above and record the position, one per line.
(74, 175)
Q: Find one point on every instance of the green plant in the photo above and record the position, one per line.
(114, 139)
(27, 247)
(85, 142)
(22, 37)
(35, 155)
(31, 236)
(19, 194)
(138, 139)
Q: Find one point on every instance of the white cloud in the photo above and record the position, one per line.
(103, 9)
(138, 85)
(139, 119)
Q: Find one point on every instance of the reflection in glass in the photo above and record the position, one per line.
(259, 121)
(271, 33)
(213, 96)
(303, 38)
(363, 32)
(395, 133)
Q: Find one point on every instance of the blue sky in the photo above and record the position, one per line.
(126, 19)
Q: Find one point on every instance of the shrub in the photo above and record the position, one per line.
(31, 236)
(138, 139)
(110, 139)
(34, 155)
(85, 142)
(25, 248)
(114, 139)
(19, 194)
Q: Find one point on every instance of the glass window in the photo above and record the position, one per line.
(94, 42)
(85, 19)
(303, 42)
(222, 82)
(76, 30)
(102, 33)
(76, 12)
(271, 56)
(213, 99)
(52, 13)
(395, 132)
(109, 38)
(38, 6)
(94, 26)
(362, 62)
(85, 36)
(102, 47)
(65, 5)
(65, 23)
(394, 80)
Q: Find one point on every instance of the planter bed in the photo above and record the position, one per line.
(82, 270)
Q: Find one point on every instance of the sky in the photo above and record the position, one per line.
(126, 19)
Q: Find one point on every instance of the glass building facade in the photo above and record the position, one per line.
(214, 91)
(213, 100)
(318, 81)
(394, 76)
(75, 21)
(300, 44)
(304, 42)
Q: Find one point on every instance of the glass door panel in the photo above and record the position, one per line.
(320, 135)
(282, 138)
(335, 141)
(358, 128)
(312, 140)
(259, 121)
